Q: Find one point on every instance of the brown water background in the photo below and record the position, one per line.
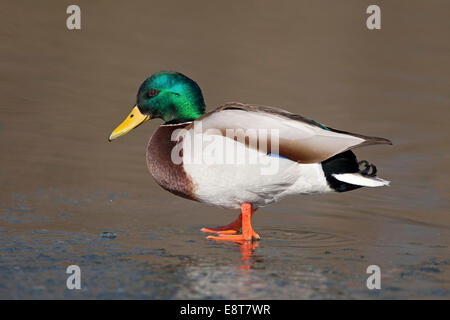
(62, 184)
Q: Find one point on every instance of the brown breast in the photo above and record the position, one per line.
(167, 174)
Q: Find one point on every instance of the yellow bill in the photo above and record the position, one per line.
(134, 119)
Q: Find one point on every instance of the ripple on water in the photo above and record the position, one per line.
(304, 239)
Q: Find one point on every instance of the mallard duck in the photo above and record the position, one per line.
(291, 154)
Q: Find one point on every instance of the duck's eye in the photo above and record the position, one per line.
(152, 93)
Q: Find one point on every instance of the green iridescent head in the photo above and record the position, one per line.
(170, 96)
(167, 95)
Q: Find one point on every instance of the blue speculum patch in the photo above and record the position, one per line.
(275, 155)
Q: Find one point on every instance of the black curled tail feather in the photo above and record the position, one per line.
(369, 169)
(344, 162)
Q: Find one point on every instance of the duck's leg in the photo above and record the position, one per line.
(247, 234)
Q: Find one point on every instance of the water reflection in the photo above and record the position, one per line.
(247, 250)
(239, 271)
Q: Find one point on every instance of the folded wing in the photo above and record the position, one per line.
(296, 138)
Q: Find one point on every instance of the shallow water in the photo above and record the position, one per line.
(62, 184)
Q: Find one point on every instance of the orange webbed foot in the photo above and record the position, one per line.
(234, 237)
(231, 228)
(228, 233)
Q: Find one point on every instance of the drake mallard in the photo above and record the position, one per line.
(291, 154)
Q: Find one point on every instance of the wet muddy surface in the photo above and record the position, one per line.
(67, 196)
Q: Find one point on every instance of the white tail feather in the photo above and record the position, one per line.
(360, 180)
